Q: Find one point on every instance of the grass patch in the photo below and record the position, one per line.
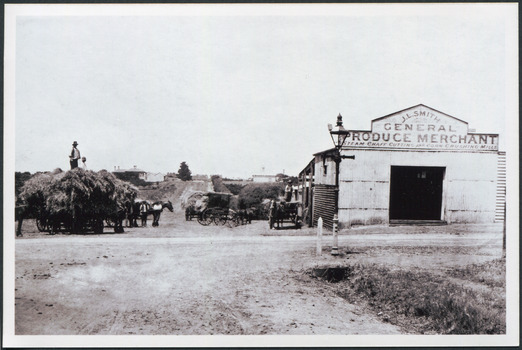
(492, 273)
(423, 302)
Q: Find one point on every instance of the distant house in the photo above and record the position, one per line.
(136, 175)
(200, 177)
(264, 178)
(133, 173)
(228, 181)
(155, 177)
(171, 177)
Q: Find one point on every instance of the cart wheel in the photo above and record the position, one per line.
(233, 221)
(220, 219)
(205, 218)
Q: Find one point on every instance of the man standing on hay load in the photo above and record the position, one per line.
(75, 156)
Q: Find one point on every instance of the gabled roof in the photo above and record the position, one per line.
(328, 152)
(416, 106)
(131, 170)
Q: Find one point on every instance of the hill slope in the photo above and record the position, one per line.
(173, 191)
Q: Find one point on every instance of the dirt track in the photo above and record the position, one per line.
(183, 278)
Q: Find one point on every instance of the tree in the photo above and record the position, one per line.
(217, 183)
(184, 172)
(253, 195)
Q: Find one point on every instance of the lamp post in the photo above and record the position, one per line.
(338, 135)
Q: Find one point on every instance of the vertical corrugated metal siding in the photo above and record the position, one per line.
(324, 204)
(501, 187)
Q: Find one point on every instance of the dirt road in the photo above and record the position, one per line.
(186, 279)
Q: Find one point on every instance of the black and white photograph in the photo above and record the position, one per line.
(180, 175)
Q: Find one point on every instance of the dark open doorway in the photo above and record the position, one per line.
(416, 193)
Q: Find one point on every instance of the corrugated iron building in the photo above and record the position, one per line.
(417, 165)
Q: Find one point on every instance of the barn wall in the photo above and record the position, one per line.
(469, 185)
(501, 187)
(320, 177)
(324, 205)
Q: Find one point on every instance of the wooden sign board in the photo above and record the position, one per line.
(421, 127)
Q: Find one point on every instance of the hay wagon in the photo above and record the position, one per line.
(218, 211)
(191, 213)
(64, 222)
(76, 201)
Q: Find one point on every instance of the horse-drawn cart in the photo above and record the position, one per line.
(281, 212)
(218, 211)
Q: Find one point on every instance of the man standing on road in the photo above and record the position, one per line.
(157, 208)
(75, 155)
(144, 211)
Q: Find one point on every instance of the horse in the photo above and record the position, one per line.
(157, 208)
(190, 212)
(25, 211)
(49, 222)
(134, 213)
(117, 218)
(246, 215)
(20, 214)
(283, 211)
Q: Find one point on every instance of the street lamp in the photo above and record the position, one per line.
(338, 135)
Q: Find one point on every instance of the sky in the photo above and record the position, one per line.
(244, 92)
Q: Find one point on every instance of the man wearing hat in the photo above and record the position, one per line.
(75, 155)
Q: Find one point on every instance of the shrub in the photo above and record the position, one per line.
(256, 195)
(132, 178)
(446, 307)
(235, 188)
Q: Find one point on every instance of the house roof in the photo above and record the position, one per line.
(131, 170)
(416, 106)
(330, 151)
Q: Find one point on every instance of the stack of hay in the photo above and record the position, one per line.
(197, 200)
(77, 194)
